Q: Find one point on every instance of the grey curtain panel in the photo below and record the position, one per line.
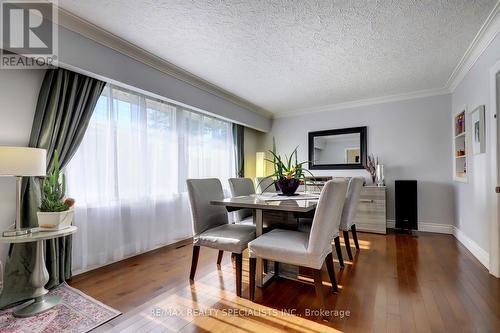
(64, 108)
(238, 138)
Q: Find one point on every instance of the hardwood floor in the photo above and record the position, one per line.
(395, 283)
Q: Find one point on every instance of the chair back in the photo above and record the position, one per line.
(205, 215)
(351, 202)
(326, 221)
(264, 184)
(239, 187)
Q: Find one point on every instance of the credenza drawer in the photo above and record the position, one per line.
(371, 212)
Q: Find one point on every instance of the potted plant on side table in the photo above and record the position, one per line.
(56, 211)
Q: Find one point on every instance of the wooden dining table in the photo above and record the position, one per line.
(302, 203)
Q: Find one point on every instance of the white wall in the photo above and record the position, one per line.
(410, 137)
(473, 200)
(18, 96)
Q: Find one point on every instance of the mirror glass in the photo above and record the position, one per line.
(341, 148)
(337, 149)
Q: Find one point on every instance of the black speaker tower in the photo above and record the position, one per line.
(406, 205)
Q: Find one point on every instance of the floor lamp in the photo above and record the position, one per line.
(21, 162)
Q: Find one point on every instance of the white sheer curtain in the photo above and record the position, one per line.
(128, 176)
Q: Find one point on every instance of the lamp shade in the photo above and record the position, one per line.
(22, 161)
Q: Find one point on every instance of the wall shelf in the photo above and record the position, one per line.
(460, 146)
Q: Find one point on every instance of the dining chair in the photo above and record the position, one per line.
(240, 187)
(211, 227)
(310, 250)
(265, 185)
(349, 212)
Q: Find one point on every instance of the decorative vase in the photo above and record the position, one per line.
(288, 186)
(380, 175)
(55, 220)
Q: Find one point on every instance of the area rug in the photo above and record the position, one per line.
(76, 313)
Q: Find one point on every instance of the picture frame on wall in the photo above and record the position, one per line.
(478, 143)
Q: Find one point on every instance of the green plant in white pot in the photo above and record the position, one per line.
(56, 212)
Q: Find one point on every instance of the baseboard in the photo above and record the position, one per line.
(476, 250)
(182, 242)
(427, 227)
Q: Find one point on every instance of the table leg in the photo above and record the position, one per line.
(39, 278)
(260, 279)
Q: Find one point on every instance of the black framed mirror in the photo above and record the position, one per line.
(343, 148)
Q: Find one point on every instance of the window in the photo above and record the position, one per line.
(128, 175)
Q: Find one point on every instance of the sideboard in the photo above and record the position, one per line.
(371, 215)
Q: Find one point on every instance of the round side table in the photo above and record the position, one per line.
(40, 276)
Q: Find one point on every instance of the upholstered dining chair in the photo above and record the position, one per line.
(349, 212)
(265, 185)
(211, 227)
(240, 187)
(305, 249)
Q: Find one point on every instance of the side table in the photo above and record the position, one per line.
(40, 276)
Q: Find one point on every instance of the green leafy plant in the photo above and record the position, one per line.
(53, 190)
(287, 167)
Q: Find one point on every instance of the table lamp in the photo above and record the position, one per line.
(21, 162)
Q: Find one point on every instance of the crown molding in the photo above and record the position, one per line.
(77, 24)
(364, 102)
(481, 41)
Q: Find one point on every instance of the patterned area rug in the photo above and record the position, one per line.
(76, 313)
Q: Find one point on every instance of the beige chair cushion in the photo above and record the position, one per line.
(247, 221)
(204, 214)
(304, 225)
(351, 202)
(229, 237)
(264, 184)
(241, 187)
(286, 246)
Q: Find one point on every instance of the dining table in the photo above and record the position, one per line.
(259, 203)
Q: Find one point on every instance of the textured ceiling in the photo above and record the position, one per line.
(290, 55)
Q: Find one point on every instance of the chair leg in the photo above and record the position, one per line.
(347, 245)
(194, 261)
(264, 263)
(251, 278)
(219, 257)
(232, 260)
(338, 249)
(331, 272)
(355, 236)
(238, 258)
(318, 284)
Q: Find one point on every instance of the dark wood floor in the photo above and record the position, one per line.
(396, 283)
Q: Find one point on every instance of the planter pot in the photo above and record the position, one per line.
(55, 220)
(288, 186)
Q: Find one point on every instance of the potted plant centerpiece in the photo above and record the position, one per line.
(56, 212)
(288, 172)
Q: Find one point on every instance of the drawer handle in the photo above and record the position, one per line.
(366, 200)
